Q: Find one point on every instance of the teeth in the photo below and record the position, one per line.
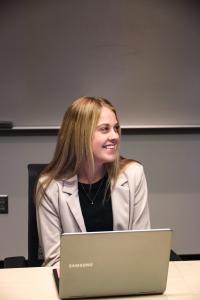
(110, 147)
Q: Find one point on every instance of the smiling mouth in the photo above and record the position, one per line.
(112, 147)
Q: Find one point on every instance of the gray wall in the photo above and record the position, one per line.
(143, 55)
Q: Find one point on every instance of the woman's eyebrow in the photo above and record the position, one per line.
(107, 124)
(103, 124)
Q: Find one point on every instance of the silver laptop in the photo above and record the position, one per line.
(114, 263)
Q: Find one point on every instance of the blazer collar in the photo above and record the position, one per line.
(70, 187)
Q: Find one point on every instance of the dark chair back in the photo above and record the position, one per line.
(34, 258)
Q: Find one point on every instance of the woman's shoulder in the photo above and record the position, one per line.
(47, 184)
(131, 167)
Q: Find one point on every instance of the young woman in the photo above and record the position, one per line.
(87, 186)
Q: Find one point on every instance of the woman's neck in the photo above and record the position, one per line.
(85, 176)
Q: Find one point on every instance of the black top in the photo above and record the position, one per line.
(97, 211)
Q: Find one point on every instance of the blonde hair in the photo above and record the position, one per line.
(74, 145)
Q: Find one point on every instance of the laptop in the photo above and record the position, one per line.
(114, 263)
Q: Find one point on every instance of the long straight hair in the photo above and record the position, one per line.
(74, 143)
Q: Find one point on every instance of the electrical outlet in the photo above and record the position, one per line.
(3, 204)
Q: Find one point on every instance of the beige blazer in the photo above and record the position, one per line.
(60, 209)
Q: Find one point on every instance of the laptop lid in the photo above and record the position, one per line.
(114, 263)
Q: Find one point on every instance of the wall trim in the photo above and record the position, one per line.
(126, 130)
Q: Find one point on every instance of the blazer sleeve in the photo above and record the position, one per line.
(49, 225)
(140, 218)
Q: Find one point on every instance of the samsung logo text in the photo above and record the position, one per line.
(81, 265)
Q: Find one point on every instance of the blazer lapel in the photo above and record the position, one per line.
(121, 204)
(70, 188)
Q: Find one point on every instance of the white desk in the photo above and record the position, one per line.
(38, 283)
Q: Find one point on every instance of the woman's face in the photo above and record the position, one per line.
(106, 137)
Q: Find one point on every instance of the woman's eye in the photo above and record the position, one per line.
(104, 129)
(117, 128)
